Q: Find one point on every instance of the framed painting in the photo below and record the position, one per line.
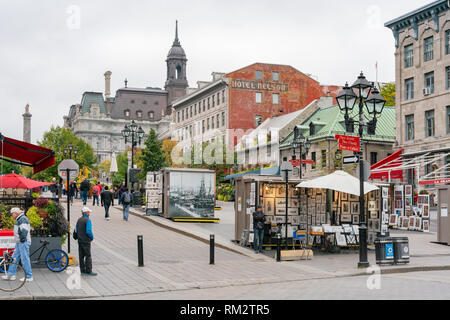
(269, 207)
(280, 202)
(385, 192)
(269, 191)
(345, 207)
(355, 208)
(393, 220)
(355, 219)
(385, 204)
(344, 196)
(374, 214)
(425, 211)
(353, 197)
(281, 191)
(346, 218)
(372, 205)
(425, 225)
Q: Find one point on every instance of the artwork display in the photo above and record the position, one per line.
(345, 208)
(372, 205)
(346, 218)
(385, 205)
(269, 207)
(393, 220)
(340, 239)
(344, 196)
(425, 211)
(281, 191)
(269, 192)
(373, 215)
(355, 208)
(154, 193)
(426, 225)
(384, 192)
(355, 219)
(191, 194)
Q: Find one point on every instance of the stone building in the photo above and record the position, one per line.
(100, 118)
(422, 64)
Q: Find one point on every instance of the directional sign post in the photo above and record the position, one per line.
(350, 160)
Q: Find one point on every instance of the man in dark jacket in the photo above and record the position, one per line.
(259, 222)
(122, 189)
(107, 199)
(83, 233)
(84, 189)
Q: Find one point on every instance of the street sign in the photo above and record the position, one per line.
(296, 163)
(70, 165)
(287, 166)
(432, 182)
(350, 160)
(349, 143)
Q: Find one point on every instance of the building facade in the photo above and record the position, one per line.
(422, 63)
(100, 118)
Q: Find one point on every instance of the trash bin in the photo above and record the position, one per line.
(401, 250)
(384, 251)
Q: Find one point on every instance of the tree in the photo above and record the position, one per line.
(56, 139)
(167, 146)
(153, 157)
(122, 166)
(388, 92)
(8, 167)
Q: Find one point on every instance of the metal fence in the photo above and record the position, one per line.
(24, 202)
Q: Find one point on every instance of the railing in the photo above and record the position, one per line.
(21, 202)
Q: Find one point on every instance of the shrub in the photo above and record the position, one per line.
(35, 218)
(7, 221)
(41, 203)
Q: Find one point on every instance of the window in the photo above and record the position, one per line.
(258, 75)
(373, 158)
(323, 159)
(275, 76)
(127, 113)
(258, 121)
(312, 129)
(178, 116)
(209, 104)
(203, 126)
(447, 42)
(258, 97)
(428, 49)
(223, 119)
(217, 121)
(144, 102)
(409, 89)
(182, 115)
(409, 56)
(409, 125)
(429, 123)
(448, 119)
(213, 100)
(313, 158)
(447, 74)
(139, 114)
(195, 109)
(151, 115)
(223, 96)
(429, 81)
(218, 98)
(212, 122)
(276, 98)
(203, 105)
(207, 124)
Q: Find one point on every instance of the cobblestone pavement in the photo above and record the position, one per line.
(176, 262)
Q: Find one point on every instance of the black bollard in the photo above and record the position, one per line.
(211, 249)
(278, 247)
(140, 251)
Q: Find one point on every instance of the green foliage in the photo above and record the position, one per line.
(56, 223)
(153, 157)
(34, 217)
(388, 92)
(122, 165)
(7, 221)
(58, 138)
(8, 167)
(225, 192)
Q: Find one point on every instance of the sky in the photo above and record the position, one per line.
(51, 51)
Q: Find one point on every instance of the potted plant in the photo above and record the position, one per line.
(41, 205)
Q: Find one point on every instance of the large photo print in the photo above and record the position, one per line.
(191, 194)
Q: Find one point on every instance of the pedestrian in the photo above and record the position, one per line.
(126, 199)
(84, 189)
(259, 220)
(96, 191)
(121, 191)
(83, 233)
(22, 238)
(53, 188)
(72, 190)
(107, 200)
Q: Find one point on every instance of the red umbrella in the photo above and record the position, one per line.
(15, 181)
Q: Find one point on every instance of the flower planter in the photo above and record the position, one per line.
(43, 214)
(55, 243)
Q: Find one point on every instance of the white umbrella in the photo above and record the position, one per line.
(339, 181)
(113, 168)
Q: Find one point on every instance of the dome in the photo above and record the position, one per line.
(176, 51)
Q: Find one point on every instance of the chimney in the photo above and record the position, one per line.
(108, 84)
(27, 124)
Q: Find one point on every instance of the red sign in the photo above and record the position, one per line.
(431, 182)
(296, 163)
(348, 143)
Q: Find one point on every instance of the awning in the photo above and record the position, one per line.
(14, 181)
(26, 154)
(273, 171)
(388, 168)
(338, 181)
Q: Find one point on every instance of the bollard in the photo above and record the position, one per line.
(278, 247)
(211, 249)
(140, 251)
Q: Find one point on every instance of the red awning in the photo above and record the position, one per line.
(382, 168)
(15, 181)
(26, 154)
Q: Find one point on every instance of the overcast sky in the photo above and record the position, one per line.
(51, 51)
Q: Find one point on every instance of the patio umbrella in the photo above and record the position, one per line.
(14, 181)
(339, 181)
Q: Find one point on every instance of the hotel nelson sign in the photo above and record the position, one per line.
(259, 85)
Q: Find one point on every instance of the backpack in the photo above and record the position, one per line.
(127, 198)
(95, 192)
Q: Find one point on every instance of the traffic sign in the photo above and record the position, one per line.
(287, 166)
(70, 165)
(350, 160)
(349, 143)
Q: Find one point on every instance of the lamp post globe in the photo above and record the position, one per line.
(362, 86)
(375, 103)
(346, 99)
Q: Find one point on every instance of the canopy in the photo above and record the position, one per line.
(26, 154)
(338, 181)
(388, 168)
(15, 181)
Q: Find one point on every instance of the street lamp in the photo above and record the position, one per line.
(362, 91)
(299, 142)
(136, 133)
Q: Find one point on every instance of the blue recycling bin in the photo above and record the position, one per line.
(384, 251)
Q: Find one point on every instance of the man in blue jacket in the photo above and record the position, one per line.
(22, 249)
(83, 233)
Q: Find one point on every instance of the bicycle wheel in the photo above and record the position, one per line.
(14, 283)
(57, 260)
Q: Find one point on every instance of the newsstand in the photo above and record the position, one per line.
(384, 251)
(401, 250)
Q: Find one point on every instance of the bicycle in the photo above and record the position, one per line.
(56, 260)
(13, 283)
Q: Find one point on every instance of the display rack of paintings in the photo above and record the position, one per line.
(398, 200)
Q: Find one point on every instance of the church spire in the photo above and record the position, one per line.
(176, 42)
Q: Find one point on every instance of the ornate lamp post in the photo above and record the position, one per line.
(136, 133)
(299, 142)
(363, 92)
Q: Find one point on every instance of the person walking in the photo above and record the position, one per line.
(96, 191)
(84, 189)
(126, 199)
(72, 191)
(107, 199)
(22, 238)
(53, 188)
(121, 191)
(83, 233)
(259, 220)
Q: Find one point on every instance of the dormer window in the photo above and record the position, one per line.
(132, 101)
(151, 115)
(127, 113)
(312, 129)
(139, 114)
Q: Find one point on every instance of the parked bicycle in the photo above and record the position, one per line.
(56, 261)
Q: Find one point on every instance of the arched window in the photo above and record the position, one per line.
(127, 113)
(179, 74)
(151, 115)
(139, 114)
